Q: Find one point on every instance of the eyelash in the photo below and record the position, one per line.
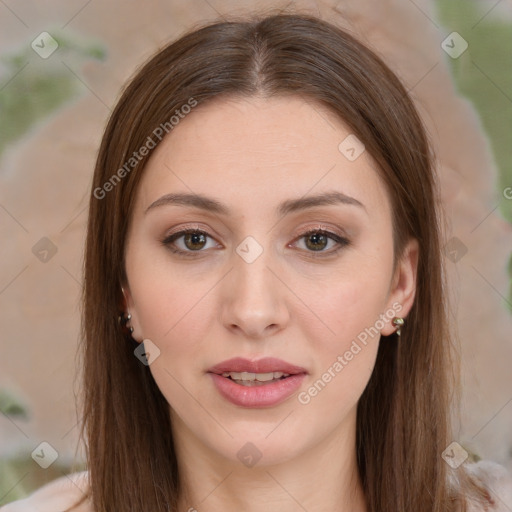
(341, 241)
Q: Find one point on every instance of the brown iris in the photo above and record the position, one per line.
(194, 241)
(316, 241)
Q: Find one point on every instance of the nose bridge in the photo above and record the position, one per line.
(254, 300)
(252, 276)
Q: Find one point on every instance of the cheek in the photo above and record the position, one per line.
(175, 311)
(168, 302)
(345, 339)
(345, 307)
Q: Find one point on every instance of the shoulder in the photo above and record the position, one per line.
(59, 494)
(498, 482)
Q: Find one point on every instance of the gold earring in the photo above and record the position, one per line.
(399, 323)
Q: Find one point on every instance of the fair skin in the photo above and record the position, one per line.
(291, 302)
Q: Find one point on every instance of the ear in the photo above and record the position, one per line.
(128, 307)
(403, 285)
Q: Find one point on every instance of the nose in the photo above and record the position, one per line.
(253, 299)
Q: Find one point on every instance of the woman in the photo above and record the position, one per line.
(264, 311)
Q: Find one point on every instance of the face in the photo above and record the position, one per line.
(254, 236)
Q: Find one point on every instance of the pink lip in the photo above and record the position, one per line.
(265, 365)
(265, 395)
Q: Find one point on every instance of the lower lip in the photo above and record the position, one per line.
(257, 396)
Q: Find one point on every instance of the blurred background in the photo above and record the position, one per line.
(62, 65)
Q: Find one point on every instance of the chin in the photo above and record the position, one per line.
(252, 448)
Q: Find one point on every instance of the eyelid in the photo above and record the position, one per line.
(193, 226)
(322, 228)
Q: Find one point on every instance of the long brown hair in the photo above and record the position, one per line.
(403, 414)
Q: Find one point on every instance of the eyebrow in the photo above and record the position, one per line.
(291, 205)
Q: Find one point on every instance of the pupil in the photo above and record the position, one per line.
(319, 241)
(195, 241)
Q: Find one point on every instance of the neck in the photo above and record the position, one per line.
(321, 479)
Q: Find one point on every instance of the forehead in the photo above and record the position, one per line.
(258, 150)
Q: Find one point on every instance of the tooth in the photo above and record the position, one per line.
(263, 377)
(254, 377)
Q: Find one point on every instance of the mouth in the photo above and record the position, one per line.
(261, 383)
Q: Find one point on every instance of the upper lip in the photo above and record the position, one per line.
(265, 365)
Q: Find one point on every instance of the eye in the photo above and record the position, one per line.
(318, 240)
(188, 241)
